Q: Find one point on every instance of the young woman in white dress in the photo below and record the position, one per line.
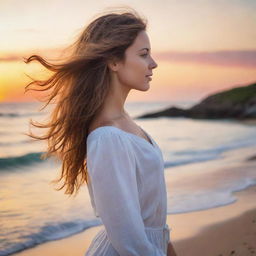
(100, 144)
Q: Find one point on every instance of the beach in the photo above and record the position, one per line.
(219, 231)
(210, 184)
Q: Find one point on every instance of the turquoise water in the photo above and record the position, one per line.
(32, 212)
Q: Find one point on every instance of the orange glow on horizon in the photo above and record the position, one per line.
(171, 81)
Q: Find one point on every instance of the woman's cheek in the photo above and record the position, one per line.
(133, 74)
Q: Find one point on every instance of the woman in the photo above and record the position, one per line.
(97, 140)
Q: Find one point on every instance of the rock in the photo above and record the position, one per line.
(236, 103)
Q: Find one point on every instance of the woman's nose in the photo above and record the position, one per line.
(153, 64)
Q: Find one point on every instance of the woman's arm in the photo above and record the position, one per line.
(170, 250)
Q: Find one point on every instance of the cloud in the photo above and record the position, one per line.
(232, 58)
(47, 53)
(27, 30)
(228, 58)
(10, 58)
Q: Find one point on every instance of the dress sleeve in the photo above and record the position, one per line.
(112, 169)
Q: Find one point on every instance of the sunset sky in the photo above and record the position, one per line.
(201, 46)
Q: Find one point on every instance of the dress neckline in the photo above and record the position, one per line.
(151, 143)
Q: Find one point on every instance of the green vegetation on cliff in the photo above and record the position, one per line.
(238, 95)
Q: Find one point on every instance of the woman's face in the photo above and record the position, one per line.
(136, 70)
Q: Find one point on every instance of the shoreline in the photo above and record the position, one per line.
(227, 230)
(213, 232)
(236, 236)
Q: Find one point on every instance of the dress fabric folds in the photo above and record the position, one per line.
(128, 193)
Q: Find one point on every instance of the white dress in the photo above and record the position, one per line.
(128, 192)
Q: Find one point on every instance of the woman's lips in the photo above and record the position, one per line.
(149, 77)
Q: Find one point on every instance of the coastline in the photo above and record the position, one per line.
(224, 230)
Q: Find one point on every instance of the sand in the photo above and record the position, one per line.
(220, 231)
(226, 230)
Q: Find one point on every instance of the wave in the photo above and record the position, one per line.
(11, 162)
(14, 143)
(11, 114)
(204, 200)
(49, 232)
(168, 164)
(195, 156)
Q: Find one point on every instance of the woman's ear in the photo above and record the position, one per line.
(113, 65)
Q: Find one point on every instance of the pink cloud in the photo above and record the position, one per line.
(231, 58)
(10, 58)
(235, 58)
(47, 52)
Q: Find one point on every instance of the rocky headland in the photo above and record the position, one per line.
(235, 103)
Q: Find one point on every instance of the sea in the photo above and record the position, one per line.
(201, 170)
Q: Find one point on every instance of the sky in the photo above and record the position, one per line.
(200, 46)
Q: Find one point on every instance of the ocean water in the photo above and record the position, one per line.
(200, 169)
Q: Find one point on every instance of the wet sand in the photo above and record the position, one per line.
(225, 230)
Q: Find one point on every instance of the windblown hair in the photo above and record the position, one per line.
(78, 87)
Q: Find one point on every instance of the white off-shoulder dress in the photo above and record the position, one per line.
(128, 192)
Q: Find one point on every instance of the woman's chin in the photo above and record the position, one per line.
(144, 88)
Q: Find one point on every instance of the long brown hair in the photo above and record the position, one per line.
(78, 87)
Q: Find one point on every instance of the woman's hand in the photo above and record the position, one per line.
(170, 250)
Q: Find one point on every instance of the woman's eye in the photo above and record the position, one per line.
(144, 55)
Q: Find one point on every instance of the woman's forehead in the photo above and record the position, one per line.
(141, 42)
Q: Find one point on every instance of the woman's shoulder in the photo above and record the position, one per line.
(106, 132)
(108, 139)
